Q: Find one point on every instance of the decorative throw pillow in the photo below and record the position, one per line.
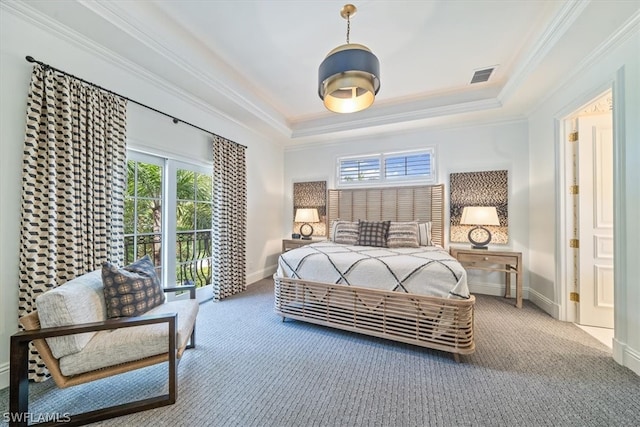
(424, 234)
(345, 232)
(332, 229)
(132, 290)
(373, 233)
(403, 235)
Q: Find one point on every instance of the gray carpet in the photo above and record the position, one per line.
(251, 369)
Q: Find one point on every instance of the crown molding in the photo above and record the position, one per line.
(560, 24)
(309, 129)
(263, 119)
(513, 119)
(622, 34)
(116, 15)
(138, 29)
(27, 13)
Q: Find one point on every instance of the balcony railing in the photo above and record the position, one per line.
(193, 254)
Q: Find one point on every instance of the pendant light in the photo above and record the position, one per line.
(348, 78)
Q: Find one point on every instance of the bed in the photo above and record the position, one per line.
(381, 291)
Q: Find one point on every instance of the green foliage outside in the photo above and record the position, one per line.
(194, 211)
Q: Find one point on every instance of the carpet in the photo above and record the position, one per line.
(252, 369)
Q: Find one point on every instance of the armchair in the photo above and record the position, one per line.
(167, 331)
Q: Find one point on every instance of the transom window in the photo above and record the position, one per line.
(358, 170)
(387, 168)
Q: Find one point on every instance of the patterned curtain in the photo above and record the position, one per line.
(229, 218)
(73, 182)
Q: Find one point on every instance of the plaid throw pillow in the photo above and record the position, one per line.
(132, 290)
(373, 233)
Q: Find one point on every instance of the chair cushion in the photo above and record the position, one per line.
(78, 301)
(108, 348)
(132, 290)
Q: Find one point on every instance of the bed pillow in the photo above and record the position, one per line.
(373, 233)
(345, 232)
(424, 234)
(132, 290)
(332, 229)
(403, 235)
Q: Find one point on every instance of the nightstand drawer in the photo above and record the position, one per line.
(496, 259)
(288, 244)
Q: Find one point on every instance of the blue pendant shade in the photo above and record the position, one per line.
(348, 78)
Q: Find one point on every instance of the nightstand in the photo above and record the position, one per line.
(504, 261)
(288, 244)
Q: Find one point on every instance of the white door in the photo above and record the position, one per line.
(595, 213)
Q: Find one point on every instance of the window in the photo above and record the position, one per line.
(194, 211)
(143, 229)
(353, 170)
(387, 168)
(407, 166)
(168, 216)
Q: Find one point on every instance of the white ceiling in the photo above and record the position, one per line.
(257, 61)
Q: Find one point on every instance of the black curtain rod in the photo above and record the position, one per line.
(175, 120)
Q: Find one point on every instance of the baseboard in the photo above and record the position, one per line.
(4, 375)
(495, 289)
(260, 274)
(545, 304)
(626, 356)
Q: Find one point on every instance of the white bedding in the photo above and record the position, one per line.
(428, 270)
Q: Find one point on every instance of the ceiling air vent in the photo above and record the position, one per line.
(481, 76)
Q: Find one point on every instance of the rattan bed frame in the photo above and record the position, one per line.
(433, 322)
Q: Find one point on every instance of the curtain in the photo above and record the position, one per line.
(229, 218)
(73, 183)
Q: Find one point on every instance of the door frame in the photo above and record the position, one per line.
(565, 274)
(616, 85)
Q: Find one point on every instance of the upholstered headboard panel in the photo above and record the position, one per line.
(419, 203)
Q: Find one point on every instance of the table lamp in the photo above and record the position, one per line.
(479, 216)
(306, 215)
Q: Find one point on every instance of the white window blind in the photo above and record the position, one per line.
(358, 170)
(407, 166)
(387, 168)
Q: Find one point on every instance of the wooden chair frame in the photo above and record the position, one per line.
(19, 365)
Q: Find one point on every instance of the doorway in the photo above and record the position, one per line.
(588, 204)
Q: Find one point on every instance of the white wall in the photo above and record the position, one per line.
(463, 149)
(20, 37)
(620, 66)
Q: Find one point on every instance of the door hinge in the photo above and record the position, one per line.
(574, 296)
(574, 243)
(573, 189)
(573, 136)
